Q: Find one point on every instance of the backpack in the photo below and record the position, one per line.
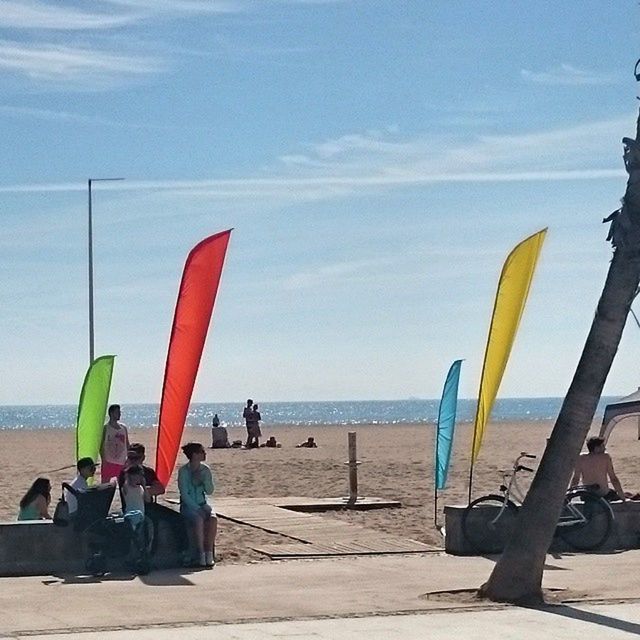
(61, 513)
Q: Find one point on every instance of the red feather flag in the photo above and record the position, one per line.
(196, 297)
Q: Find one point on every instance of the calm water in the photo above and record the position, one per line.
(293, 413)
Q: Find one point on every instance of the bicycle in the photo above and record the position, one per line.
(488, 522)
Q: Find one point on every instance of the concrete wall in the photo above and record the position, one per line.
(625, 533)
(41, 548)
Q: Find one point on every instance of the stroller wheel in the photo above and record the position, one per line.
(96, 565)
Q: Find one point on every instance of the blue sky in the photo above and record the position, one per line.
(377, 160)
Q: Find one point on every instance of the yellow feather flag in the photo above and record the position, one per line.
(513, 288)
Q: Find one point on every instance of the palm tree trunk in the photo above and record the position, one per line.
(517, 576)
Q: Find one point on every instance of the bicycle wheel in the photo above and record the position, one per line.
(487, 523)
(585, 521)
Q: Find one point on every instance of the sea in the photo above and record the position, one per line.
(303, 414)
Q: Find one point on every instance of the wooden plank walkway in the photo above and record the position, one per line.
(311, 535)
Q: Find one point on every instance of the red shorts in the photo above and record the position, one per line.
(109, 470)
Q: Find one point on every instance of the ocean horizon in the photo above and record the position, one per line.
(299, 413)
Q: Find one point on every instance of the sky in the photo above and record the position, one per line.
(377, 160)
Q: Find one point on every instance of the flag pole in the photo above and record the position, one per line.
(435, 478)
(473, 448)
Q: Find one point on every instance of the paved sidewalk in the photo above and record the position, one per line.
(557, 622)
(289, 590)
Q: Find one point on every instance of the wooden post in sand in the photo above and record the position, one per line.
(353, 469)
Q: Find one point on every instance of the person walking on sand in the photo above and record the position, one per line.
(115, 444)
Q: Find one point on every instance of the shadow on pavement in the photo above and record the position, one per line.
(89, 579)
(170, 577)
(162, 578)
(591, 617)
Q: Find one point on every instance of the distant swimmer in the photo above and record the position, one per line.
(115, 444)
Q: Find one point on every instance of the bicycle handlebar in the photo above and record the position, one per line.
(524, 454)
(521, 467)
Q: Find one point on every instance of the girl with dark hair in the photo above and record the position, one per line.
(195, 483)
(35, 503)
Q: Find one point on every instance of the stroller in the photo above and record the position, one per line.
(110, 536)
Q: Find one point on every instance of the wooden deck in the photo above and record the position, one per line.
(311, 535)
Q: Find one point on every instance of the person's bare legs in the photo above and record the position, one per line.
(198, 533)
(210, 531)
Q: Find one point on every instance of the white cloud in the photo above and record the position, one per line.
(93, 65)
(31, 14)
(573, 151)
(254, 187)
(72, 65)
(176, 7)
(362, 163)
(566, 74)
(70, 116)
(339, 272)
(109, 14)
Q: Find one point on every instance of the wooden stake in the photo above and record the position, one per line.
(353, 469)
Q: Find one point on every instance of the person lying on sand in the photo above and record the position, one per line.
(271, 443)
(309, 444)
(594, 470)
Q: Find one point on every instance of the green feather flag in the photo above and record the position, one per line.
(92, 407)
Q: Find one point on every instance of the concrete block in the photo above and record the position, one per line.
(625, 532)
(39, 547)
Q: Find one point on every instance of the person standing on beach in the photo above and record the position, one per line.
(256, 434)
(247, 415)
(115, 444)
(252, 419)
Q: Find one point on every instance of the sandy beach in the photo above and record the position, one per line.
(397, 463)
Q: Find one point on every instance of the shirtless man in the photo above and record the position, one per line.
(115, 444)
(596, 469)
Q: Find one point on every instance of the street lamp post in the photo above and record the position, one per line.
(91, 332)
